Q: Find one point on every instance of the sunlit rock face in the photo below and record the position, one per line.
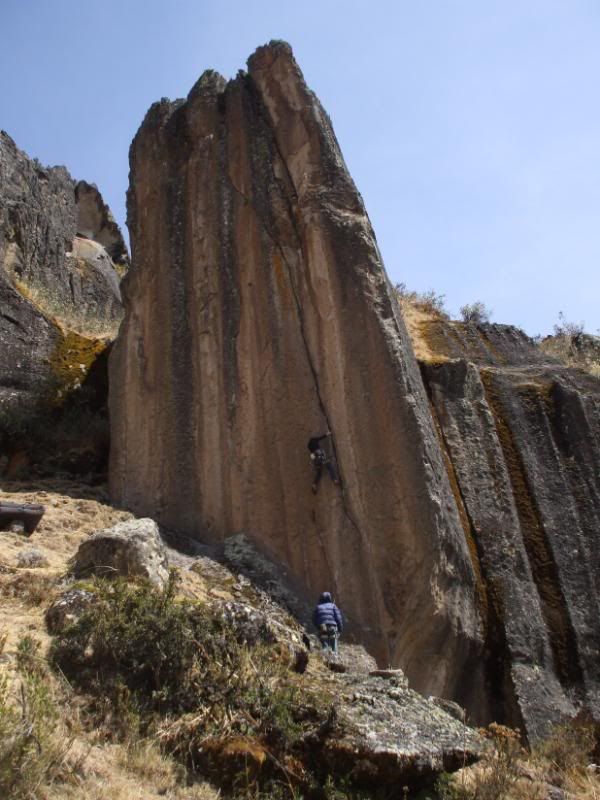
(522, 436)
(258, 314)
(59, 292)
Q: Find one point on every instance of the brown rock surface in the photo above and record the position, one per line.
(258, 314)
(522, 437)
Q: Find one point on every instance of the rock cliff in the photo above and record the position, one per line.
(521, 433)
(59, 291)
(258, 314)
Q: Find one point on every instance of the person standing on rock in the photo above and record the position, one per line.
(320, 459)
(328, 621)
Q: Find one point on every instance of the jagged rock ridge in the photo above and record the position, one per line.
(59, 291)
(258, 314)
(522, 437)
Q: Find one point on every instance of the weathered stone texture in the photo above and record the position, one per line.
(59, 294)
(522, 434)
(258, 314)
(129, 549)
(96, 222)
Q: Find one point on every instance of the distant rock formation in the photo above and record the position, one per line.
(522, 437)
(258, 314)
(59, 292)
(95, 221)
(60, 302)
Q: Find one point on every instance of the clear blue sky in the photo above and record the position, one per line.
(471, 127)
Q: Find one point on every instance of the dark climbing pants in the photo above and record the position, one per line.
(329, 466)
(329, 642)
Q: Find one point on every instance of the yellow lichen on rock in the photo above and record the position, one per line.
(72, 359)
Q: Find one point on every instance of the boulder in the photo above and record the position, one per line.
(384, 735)
(67, 609)
(129, 549)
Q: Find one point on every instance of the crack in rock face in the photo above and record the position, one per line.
(258, 315)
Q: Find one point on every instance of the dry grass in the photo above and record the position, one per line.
(116, 772)
(74, 763)
(418, 319)
(72, 513)
(508, 772)
(562, 348)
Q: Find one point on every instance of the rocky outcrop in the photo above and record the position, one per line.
(59, 293)
(68, 608)
(522, 437)
(96, 222)
(129, 549)
(258, 314)
(373, 732)
(386, 735)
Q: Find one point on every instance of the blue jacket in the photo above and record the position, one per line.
(327, 613)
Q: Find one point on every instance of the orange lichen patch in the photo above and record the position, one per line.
(72, 359)
(66, 316)
(246, 748)
(234, 757)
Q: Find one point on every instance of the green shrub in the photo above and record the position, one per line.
(32, 744)
(29, 660)
(141, 640)
(155, 665)
(161, 655)
(431, 302)
(476, 313)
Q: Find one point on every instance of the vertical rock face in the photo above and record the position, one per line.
(258, 314)
(522, 435)
(59, 292)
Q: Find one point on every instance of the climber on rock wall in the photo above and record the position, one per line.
(328, 621)
(320, 459)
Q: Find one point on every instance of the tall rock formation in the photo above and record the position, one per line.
(522, 436)
(61, 257)
(258, 314)
(59, 291)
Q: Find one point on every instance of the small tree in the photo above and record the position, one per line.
(476, 313)
(568, 329)
(431, 302)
